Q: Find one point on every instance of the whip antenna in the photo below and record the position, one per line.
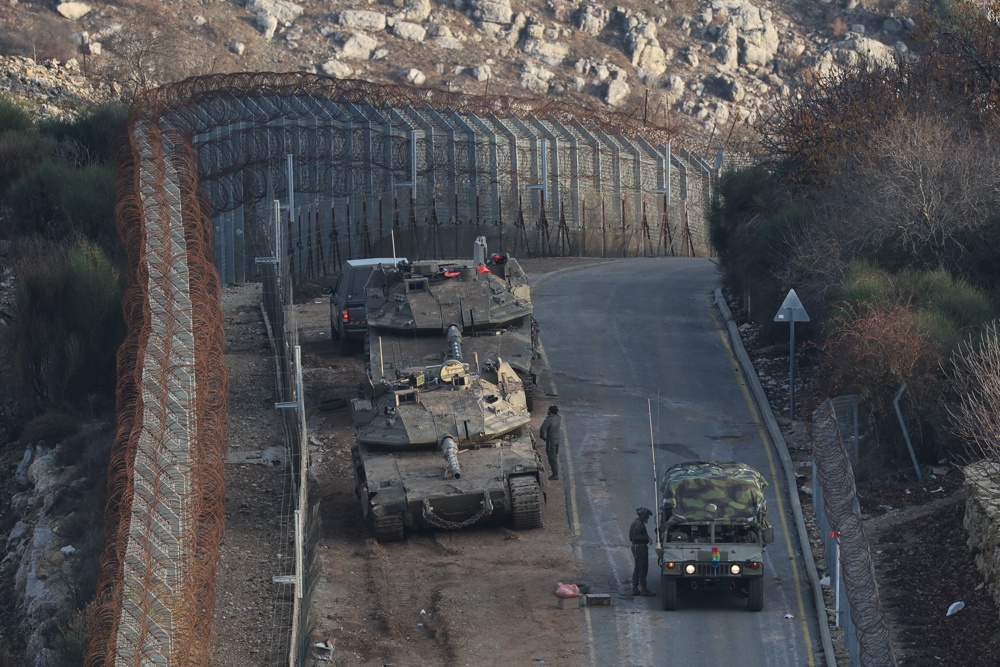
(652, 448)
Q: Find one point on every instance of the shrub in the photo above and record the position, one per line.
(95, 130)
(58, 200)
(50, 428)
(13, 117)
(20, 153)
(69, 323)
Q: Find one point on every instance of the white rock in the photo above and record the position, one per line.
(481, 73)
(199, 19)
(94, 48)
(550, 53)
(267, 24)
(492, 11)
(411, 32)
(73, 10)
(359, 46)
(239, 48)
(450, 43)
(359, 19)
(618, 91)
(416, 77)
(68, 550)
(337, 69)
(415, 10)
(80, 38)
(283, 10)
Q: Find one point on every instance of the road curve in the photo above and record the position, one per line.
(643, 370)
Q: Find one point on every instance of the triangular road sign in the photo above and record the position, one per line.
(791, 309)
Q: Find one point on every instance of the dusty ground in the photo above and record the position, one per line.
(485, 596)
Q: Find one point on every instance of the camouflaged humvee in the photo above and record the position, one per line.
(711, 531)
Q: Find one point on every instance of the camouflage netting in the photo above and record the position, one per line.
(706, 491)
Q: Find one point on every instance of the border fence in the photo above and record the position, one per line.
(846, 550)
(361, 167)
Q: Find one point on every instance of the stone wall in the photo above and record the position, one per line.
(982, 521)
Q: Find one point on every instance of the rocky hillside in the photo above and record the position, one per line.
(704, 64)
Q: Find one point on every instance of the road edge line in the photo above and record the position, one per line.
(778, 440)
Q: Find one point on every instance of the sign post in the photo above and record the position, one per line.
(791, 311)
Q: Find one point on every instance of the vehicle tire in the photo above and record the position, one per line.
(529, 390)
(525, 501)
(668, 592)
(388, 528)
(755, 588)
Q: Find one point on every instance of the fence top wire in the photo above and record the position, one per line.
(209, 89)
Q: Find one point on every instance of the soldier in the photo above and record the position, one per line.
(639, 537)
(551, 433)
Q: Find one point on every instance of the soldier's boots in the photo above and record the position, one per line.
(646, 592)
(635, 591)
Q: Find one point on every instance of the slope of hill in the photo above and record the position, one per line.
(703, 66)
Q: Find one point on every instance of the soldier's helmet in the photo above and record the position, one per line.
(643, 512)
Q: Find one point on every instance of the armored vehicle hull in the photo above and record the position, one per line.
(404, 490)
(486, 298)
(712, 529)
(443, 435)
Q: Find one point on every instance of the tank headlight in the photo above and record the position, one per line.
(689, 568)
(670, 564)
(755, 565)
(734, 568)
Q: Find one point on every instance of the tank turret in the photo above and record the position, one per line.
(424, 404)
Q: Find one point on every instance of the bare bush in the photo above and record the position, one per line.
(915, 193)
(975, 419)
(147, 56)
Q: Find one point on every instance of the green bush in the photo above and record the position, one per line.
(13, 117)
(94, 130)
(57, 200)
(69, 322)
(965, 306)
(20, 153)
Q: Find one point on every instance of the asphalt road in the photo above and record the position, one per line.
(643, 370)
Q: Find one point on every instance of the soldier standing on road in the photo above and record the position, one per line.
(551, 433)
(639, 537)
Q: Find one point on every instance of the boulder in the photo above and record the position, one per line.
(417, 11)
(592, 19)
(359, 46)
(481, 73)
(360, 19)
(416, 77)
(492, 11)
(411, 32)
(535, 79)
(283, 10)
(267, 24)
(550, 53)
(73, 10)
(617, 92)
(337, 69)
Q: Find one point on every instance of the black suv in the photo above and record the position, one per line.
(348, 322)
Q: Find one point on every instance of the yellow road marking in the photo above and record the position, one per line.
(762, 432)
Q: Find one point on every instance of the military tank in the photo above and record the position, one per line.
(443, 436)
(487, 298)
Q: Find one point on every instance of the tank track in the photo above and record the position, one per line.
(529, 391)
(388, 528)
(526, 503)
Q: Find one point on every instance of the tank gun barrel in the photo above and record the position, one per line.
(455, 342)
(450, 449)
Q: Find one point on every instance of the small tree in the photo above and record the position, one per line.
(975, 417)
